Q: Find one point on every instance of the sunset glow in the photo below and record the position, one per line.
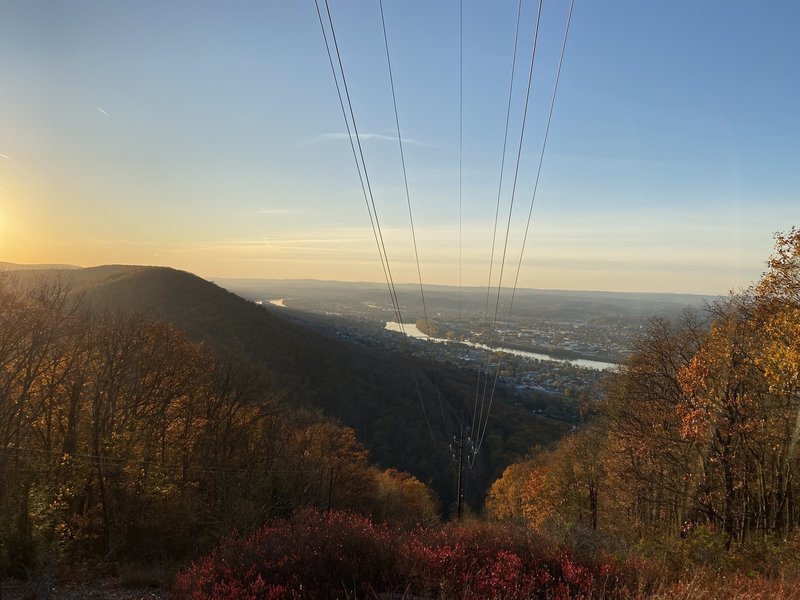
(130, 153)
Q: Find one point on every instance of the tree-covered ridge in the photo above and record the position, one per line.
(122, 438)
(369, 389)
(697, 435)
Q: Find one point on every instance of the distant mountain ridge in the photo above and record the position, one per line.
(9, 266)
(257, 281)
(528, 302)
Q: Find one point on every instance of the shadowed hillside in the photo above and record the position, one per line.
(371, 390)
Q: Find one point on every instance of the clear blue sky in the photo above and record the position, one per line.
(207, 136)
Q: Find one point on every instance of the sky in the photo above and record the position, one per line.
(207, 136)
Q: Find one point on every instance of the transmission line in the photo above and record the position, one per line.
(369, 197)
(497, 208)
(355, 142)
(533, 196)
(541, 153)
(534, 45)
(408, 203)
(390, 282)
(355, 155)
(348, 114)
(460, 148)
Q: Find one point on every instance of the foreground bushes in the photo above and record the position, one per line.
(327, 555)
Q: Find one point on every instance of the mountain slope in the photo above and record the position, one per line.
(371, 390)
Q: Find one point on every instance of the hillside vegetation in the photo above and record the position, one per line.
(370, 390)
(146, 412)
(147, 415)
(122, 439)
(692, 458)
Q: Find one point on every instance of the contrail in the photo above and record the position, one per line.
(4, 156)
(366, 136)
(102, 111)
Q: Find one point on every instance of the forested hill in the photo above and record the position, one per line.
(368, 389)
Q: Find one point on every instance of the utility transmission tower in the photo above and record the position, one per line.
(462, 449)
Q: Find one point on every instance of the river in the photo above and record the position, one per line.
(412, 331)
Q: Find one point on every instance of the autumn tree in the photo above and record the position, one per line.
(556, 489)
(699, 427)
(651, 469)
(778, 357)
(504, 501)
(121, 437)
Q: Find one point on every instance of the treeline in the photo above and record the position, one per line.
(697, 434)
(121, 438)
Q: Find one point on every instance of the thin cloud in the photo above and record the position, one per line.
(317, 244)
(4, 156)
(102, 111)
(281, 211)
(328, 137)
(269, 211)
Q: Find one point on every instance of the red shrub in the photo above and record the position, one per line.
(490, 561)
(326, 555)
(313, 554)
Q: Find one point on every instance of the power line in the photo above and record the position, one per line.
(541, 153)
(355, 141)
(460, 149)
(497, 208)
(355, 155)
(533, 195)
(348, 113)
(408, 203)
(390, 282)
(513, 194)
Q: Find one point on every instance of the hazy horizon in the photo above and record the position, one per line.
(413, 284)
(210, 139)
